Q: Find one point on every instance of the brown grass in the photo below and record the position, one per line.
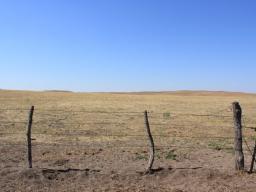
(62, 118)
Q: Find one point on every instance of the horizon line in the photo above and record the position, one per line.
(123, 92)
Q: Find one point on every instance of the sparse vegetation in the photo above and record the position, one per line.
(220, 145)
(166, 115)
(141, 157)
(171, 155)
(64, 132)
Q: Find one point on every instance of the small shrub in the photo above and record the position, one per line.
(216, 145)
(171, 155)
(166, 115)
(141, 157)
(158, 155)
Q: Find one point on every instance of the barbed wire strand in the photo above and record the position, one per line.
(121, 135)
(100, 146)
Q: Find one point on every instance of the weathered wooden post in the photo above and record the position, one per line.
(149, 169)
(238, 142)
(30, 121)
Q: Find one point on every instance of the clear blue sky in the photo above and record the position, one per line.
(128, 45)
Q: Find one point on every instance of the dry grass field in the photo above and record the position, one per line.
(97, 141)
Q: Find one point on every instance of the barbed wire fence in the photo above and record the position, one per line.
(82, 129)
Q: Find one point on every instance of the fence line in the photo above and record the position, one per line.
(14, 109)
(151, 114)
(216, 114)
(121, 135)
(15, 122)
(71, 111)
(59, 145)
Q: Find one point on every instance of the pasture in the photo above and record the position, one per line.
(98, 141)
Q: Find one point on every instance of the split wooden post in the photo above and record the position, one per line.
(238, 142)
(149, 169)
(30, 121)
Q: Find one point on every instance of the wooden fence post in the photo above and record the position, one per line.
(238, 142)
(253, 158)
(30, 121)
(149, 169)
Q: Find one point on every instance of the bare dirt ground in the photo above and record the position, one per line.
(206, 170)
(97, 142)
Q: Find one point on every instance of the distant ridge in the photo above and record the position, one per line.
(59, 91)
(21, 90)
(178, 92)
(187, 93)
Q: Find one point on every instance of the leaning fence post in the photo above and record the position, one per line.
(151, 145)
(238, 142)
(253, 158)
(30, 121)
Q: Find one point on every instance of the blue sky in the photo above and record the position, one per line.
(128, 45)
